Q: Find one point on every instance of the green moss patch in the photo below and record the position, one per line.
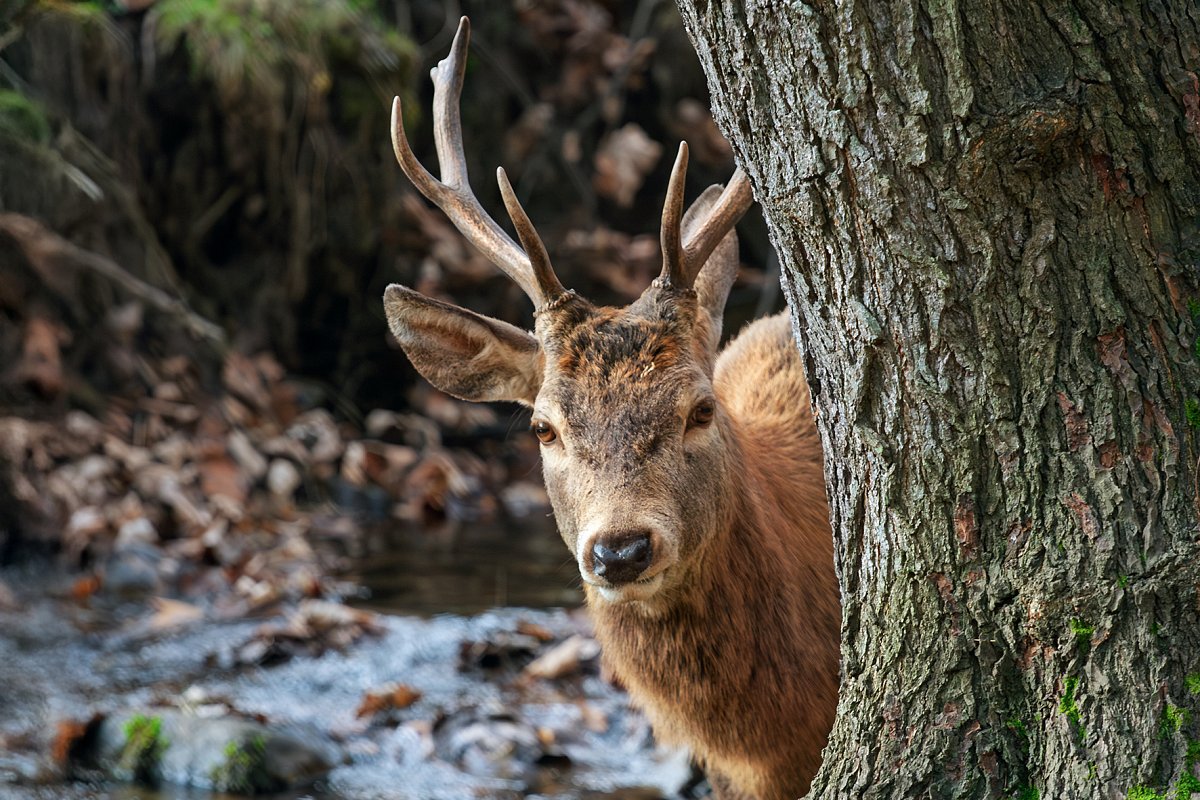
(1070, 708)
(1082, 632)
(1173, 719)
(1144, 793)
(144, 748)
(244, 769)
(1191, 412)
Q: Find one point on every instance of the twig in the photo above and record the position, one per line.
(11, 36)
(46, 250)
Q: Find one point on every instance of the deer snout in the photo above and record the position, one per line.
(622, 557)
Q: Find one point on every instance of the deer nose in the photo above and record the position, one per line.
(622, 557)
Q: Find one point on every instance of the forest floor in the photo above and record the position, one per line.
(229, 589)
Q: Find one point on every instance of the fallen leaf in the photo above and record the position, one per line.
(67, 734)
(393, 696)
(624, 159)
(85, 587)
(563, 659)
(539, 632)
(221, 476)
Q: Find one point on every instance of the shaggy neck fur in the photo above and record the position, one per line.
(741, 664)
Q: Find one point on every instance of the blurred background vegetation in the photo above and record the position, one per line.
(204, 423)
(235, 155)
(198, 195)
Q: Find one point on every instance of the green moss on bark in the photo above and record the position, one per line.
(1068, 706)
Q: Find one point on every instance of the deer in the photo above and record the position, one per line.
(686, 480)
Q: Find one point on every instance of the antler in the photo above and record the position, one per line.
(682, 261)
(529, 268)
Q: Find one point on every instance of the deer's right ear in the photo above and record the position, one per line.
(464, 354)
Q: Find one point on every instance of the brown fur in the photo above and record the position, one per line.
(743, 667)
(729, 637)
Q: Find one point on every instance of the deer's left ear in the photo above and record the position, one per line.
(464, 354)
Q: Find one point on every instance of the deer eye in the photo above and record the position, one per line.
(543, 431)
(702, 414)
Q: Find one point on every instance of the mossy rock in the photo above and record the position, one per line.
(222, 754)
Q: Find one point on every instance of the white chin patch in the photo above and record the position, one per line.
(629, 592)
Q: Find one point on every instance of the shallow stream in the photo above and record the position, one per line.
(479, 730)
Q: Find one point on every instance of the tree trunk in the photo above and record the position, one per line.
(988, 218)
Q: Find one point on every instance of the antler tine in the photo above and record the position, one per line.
(735, 199)
(448, 78)
(539, 260)
(673, 273)
(453, 192)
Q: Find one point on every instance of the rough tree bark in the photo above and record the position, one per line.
(988, 217)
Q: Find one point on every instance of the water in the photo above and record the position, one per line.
(464, 568)
(439, 587)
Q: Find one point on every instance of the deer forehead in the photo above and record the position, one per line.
(617, 346)
(618, 386)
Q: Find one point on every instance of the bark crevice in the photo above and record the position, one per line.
(988, 218)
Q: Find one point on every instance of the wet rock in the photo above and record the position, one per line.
(221, 754)
(133, 571)
(20, 768)
(313, 628)
(502, 650)
(488, 742)
(368, 501)
(136, 531)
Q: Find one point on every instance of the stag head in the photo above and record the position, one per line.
(635, 447)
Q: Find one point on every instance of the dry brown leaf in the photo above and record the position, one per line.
(181, 413)
(624, 159)
(318, 432)
(84, 587)
(221, 476)
(563, 659)
(67, 733)
(242, 378)
(539, 632)
(393, 696)
(246, 455)
(693, 121)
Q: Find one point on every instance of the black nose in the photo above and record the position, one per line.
(621, 557)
